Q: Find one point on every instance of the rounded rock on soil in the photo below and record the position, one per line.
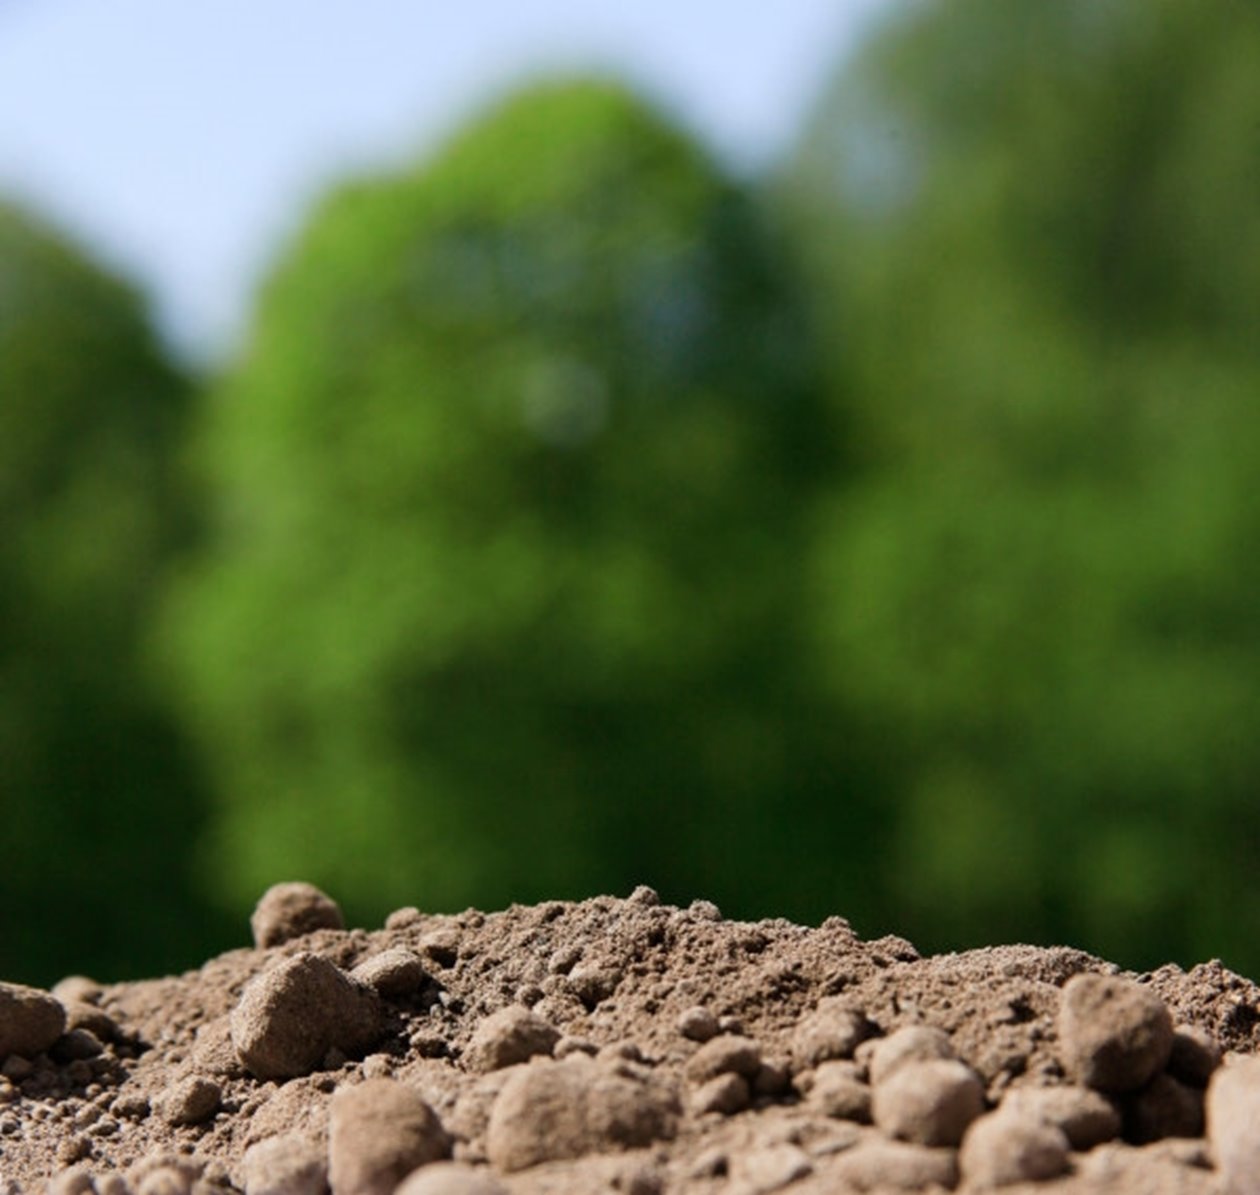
(165, 1180)
(451, 1178)
(1114, 1034)
(830, 1032)
(290, 1017)
(554, 1110)
(289, 1164)
(30, 1020)
(727, 1094)
(911, 1043)
(81, 1015)
(287, 911)
(513, 1034)
(75, 1181)
(188, 1101)
(727, 1055)
(838, 1092)
(928, 1103)
(1085, 1117)
(1002, 1149)
(895, 1165)
(1164, 1107)
(392, 973)
(1195, 1055)
(1233, 1124)
(78, 987)
(378, 1133)
(698, 1024)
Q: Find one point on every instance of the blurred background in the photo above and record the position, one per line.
(801, 459)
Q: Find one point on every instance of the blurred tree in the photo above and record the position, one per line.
(99, 800)
(1035, 231)
(503, 599)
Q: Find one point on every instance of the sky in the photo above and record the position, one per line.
(183, 141)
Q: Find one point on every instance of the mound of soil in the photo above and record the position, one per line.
(630, 1046)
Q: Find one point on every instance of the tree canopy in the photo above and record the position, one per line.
(1036, 232)
(100, 801)
(503, 599)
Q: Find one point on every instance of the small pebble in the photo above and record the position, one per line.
(290, 910)
(724, 1055)
(132, 1106)
(289, 1018)
(698, 1024)
(403, 918)
(190, 1101)
(78, 988)
(1000, 1150)
(773, 1078)
(392, 973)
(81, 1015)
(30, 1020)
(558, 1110)
(1164, 1107)
(378, 1133)
(895, 1165)
(75, 1181)
(441, 947)
(838, 1092)
(1085, 1117)
(1195, 1055)
(928, 1102)
(165, 1180)
(1114, 1034)
(75, 1045)
(16, 1068)
(288, 1164)
(74, 1149)
(513, 1034)
(831, 1031)
(912, 1043)
(377, 1066)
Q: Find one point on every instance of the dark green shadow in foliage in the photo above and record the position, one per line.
(504, 594)
(1036, 233)
(99, 801)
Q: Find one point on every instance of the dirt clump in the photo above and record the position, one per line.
(626, 1045)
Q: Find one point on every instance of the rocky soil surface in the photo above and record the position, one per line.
(626, 1046)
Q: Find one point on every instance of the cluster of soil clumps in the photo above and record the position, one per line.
(627, 1046)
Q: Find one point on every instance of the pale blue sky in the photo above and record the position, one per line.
(183, 139)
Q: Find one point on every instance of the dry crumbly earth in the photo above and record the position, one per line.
(624, 1045)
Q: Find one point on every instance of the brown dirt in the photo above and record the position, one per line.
(624, 1045)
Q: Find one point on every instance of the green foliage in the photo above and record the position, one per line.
(504, 596)
(1036, 233)
(555, 541)
(98, 798)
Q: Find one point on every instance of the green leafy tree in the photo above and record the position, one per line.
(99, 801)
(1036, 235)
(503, 599)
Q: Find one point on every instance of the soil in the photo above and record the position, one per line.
(625, 1045)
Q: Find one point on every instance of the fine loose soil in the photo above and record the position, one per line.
(625, 1045)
